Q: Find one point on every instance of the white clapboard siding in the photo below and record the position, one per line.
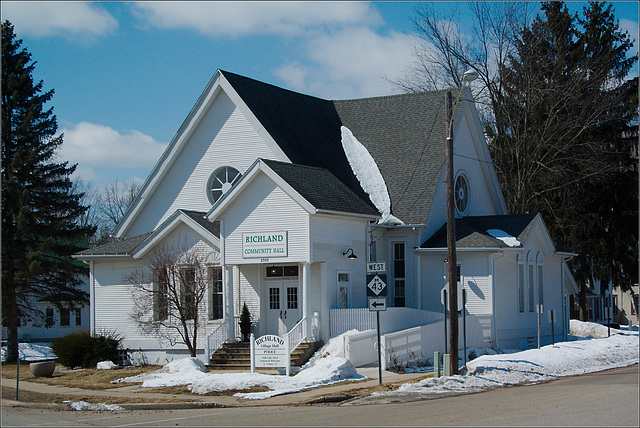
(264, 207)
(223, 137)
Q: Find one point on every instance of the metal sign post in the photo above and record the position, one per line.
(377, 295)
(552, 320)
(540, 311)
(464, 325)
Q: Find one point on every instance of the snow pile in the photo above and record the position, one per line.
(366, 170)
(106, 365)
(83, 405)
(323, 368)
(32, 352)
(178, 372)
(590, 329)
(575, 357)
(504, 237)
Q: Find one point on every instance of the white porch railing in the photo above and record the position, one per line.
(297, 334)
(217, 337)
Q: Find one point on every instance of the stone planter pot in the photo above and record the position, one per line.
(43, 368)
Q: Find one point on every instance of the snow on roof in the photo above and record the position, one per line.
(366, 170)
(504, 237)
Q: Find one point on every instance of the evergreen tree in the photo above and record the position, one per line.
(40, 211)
(565, 141)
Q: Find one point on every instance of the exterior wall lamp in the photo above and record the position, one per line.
(350, 256)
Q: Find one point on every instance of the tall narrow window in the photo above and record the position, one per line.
(49, 317)
(187, 292)
(274, 298)
(216, 311)
(65, 316)
(532, 305)
(344, 284)
(398, 275)
(160, 290)
(540, 285)
(521, 288)
(78, 316)
(292, 297)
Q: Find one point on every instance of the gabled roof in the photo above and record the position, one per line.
(315, 189)
(406, 136)
(404, 133)
(134, 246)
(471, 232)
(120, 247)
(321, 188)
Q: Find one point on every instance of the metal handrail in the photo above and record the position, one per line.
(217, 337)
(297, 334)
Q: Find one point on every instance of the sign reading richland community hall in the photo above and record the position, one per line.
(264, 245)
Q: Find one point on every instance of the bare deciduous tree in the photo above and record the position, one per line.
(117, 197)
(169, 295)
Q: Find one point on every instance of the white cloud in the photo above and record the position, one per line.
(243, 18)
(97, 146)
(632, 28)
(350, 63)
(58, 18)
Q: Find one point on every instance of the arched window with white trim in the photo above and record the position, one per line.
(521, 263)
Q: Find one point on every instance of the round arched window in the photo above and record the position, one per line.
(462, 194)
(221, 181)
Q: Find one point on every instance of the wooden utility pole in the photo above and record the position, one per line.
(451, 245)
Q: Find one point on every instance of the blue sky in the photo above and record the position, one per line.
(126, 74)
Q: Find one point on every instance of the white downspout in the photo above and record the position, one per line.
(494, 329)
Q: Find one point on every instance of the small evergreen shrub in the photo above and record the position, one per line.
(86, 351)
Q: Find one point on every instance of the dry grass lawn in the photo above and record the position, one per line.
(85, 378)
(93, 379)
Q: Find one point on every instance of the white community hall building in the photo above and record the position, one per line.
(290, 196)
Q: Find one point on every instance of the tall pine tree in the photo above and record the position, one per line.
(40, 211)
(566, 140)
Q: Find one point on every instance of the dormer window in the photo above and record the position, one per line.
(221, 181)
(462, 195)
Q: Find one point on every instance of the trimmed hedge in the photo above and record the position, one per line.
(85, 351)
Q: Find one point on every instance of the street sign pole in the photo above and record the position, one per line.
(379, 350)
(377, 294)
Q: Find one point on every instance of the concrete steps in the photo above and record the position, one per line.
(237, 355)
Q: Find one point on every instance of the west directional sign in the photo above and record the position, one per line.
(377, 304)
(377, 285)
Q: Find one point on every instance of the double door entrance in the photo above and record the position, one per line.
(283, 306)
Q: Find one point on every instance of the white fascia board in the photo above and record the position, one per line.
(170, 154)
(570, 284)
(170, 224)
(90, 257)
(470, 114)
(245, 181)
(253, 120)
(464, 250)
(538, 223)
(345, 214)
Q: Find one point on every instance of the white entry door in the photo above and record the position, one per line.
(283, 306)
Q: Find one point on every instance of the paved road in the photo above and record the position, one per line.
(607, 398)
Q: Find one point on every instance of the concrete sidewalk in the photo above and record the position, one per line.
(327, 394)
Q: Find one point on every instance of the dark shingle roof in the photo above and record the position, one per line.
(306, 128)
(122, 246)
(321, 188)
(126, 246)
(471, 232)
(199, 217)
(404, 133)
